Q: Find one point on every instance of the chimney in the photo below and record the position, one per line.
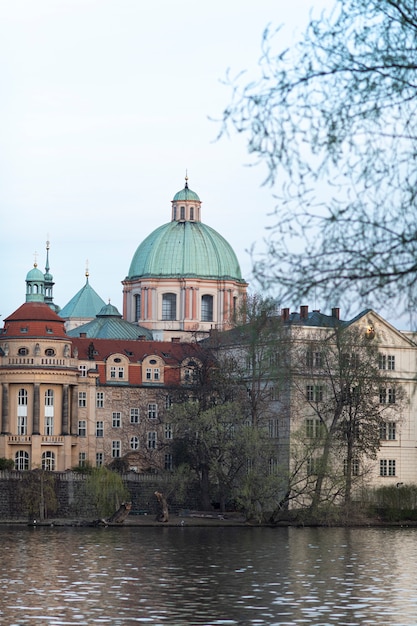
(304, 312)
(285, 315)
(336, 313)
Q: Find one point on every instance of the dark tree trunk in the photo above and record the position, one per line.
(163, 515)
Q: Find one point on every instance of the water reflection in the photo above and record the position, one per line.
(214, 576)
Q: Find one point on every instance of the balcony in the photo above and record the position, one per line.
(20, 439)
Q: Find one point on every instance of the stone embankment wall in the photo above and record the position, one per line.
(73, 504)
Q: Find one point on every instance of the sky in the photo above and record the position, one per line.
(104, 107)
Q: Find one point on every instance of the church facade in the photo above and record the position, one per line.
(184, 279)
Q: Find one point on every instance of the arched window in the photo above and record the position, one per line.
(169, 306)
(191, 212)
(182, 214)
(137, 307)
(22, 412)
(207, 308)
(21, 461)
(48, 461)
(22, 397)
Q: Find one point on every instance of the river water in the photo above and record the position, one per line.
(211, 576)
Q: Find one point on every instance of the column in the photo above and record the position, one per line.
(36, 410)
(65, 410)
(73, 422)
(5, 426)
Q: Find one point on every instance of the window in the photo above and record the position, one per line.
(152, 410)
(312, 466)
(391, 396)
(49, 425)
(48, 461)
(21, 461)
(100, 428)
(82, 428)
(168, 431)
(168, 463)
(387, 431)
(49, 397)
(100, 400)
(49, 412)
(82, 459)
(391, 362)
(314, 428)
(273, 467)
(274, 428)
(134, 443)
(137, 307)
(314, 393)
(117, 372)
(314, 359)
(169, 306)
(207, 308)
(387, 395)
(182, 213)
(23, 351)
(99, 459)
(354, 467)
(274, 393)
(116, 419)
(152, 440)
(382, 362)
(153, 373)
(191, 213)
(22, 412)
(49, 352)
(83, 371)
(22, 425)
(22, 397)
(134, 416)
(168, 402)
(116, 449)
(82, 399)
(387, 467)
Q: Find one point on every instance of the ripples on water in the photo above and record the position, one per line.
(208, 576)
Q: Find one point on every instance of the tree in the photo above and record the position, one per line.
(344, 399)
(38, 493)
(228, 428)
(335, 120)
(105, 490)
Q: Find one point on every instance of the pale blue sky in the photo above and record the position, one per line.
(104, 105)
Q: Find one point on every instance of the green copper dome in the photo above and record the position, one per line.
(186, 194)
(185, 249)
(35, 275)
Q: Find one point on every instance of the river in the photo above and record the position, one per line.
(207, 576)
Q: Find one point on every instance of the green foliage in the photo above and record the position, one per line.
(85, 468)
(6, 464)
(105, 490)
(38, 493)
